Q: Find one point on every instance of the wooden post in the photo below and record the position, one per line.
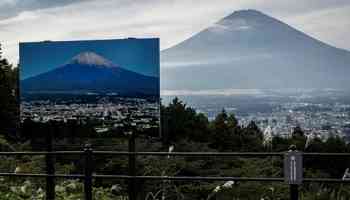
(132, 168)
(294, 192)
(88, 172)
(50, 167)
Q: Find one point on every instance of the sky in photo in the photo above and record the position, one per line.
(138, 55)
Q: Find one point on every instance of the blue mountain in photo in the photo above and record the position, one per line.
(251, 50)
(90, 72)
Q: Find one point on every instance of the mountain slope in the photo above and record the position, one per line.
(249, 49)
(89, 72)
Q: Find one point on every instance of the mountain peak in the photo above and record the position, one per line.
(249, 13)
(246, 19)
(91, 58)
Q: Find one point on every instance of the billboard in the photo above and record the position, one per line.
(103, 84)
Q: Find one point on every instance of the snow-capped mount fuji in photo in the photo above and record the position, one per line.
(251, 50)
(92, 59)
(90, 72)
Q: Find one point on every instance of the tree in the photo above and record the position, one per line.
(226, 132)
(232, 122)
(252, 137)
(221, 122)
(9, 107)
(297, 132)
(298, 138)
(182, 122)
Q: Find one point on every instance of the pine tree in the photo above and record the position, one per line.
(9, 107)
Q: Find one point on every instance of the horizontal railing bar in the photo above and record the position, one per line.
(41, 153)
(42, 175)
(188, 178)
(200, 178)
(326, 154)
(191, 154)
(199, 154)
(329, 180)
(175, 178)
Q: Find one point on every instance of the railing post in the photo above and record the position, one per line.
(294, 192)
(293, 171)
(88, 172)
(50, 167)
(132, 168)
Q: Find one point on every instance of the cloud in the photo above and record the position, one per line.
(12, 8)
(216, 61)
(171, 20)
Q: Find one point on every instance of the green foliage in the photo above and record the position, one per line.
(226, 136)
(8, 98)
(5, 145)
(180, 121)
(65, 190)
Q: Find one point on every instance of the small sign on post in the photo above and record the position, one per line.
(293, 167)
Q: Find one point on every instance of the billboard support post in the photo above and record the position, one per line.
(50, 167)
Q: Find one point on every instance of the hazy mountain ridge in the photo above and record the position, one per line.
(249, 49)
(89, 72)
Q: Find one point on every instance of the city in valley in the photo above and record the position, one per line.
(106, 113)
(318, 113)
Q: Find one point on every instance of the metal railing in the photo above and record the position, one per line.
(88, 175)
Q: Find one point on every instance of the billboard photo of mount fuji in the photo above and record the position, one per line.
(109, 84)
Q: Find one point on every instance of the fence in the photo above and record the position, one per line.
(88, 175)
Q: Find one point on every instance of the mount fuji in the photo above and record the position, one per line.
(90, 72)
(251, 50)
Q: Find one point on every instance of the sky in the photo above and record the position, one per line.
(141, 56)
(171, 20)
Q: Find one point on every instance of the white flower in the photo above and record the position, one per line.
(116, 188)
(308, 140)
(23, 189)
(217, 189)
(18, 170)
(13, 189)
(59, 188)
(40, 190)
(27, 183)
(228, 184)
(171, 149)
(72, 186)
(346, 174)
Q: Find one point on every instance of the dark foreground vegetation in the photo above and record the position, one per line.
(182, 128)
